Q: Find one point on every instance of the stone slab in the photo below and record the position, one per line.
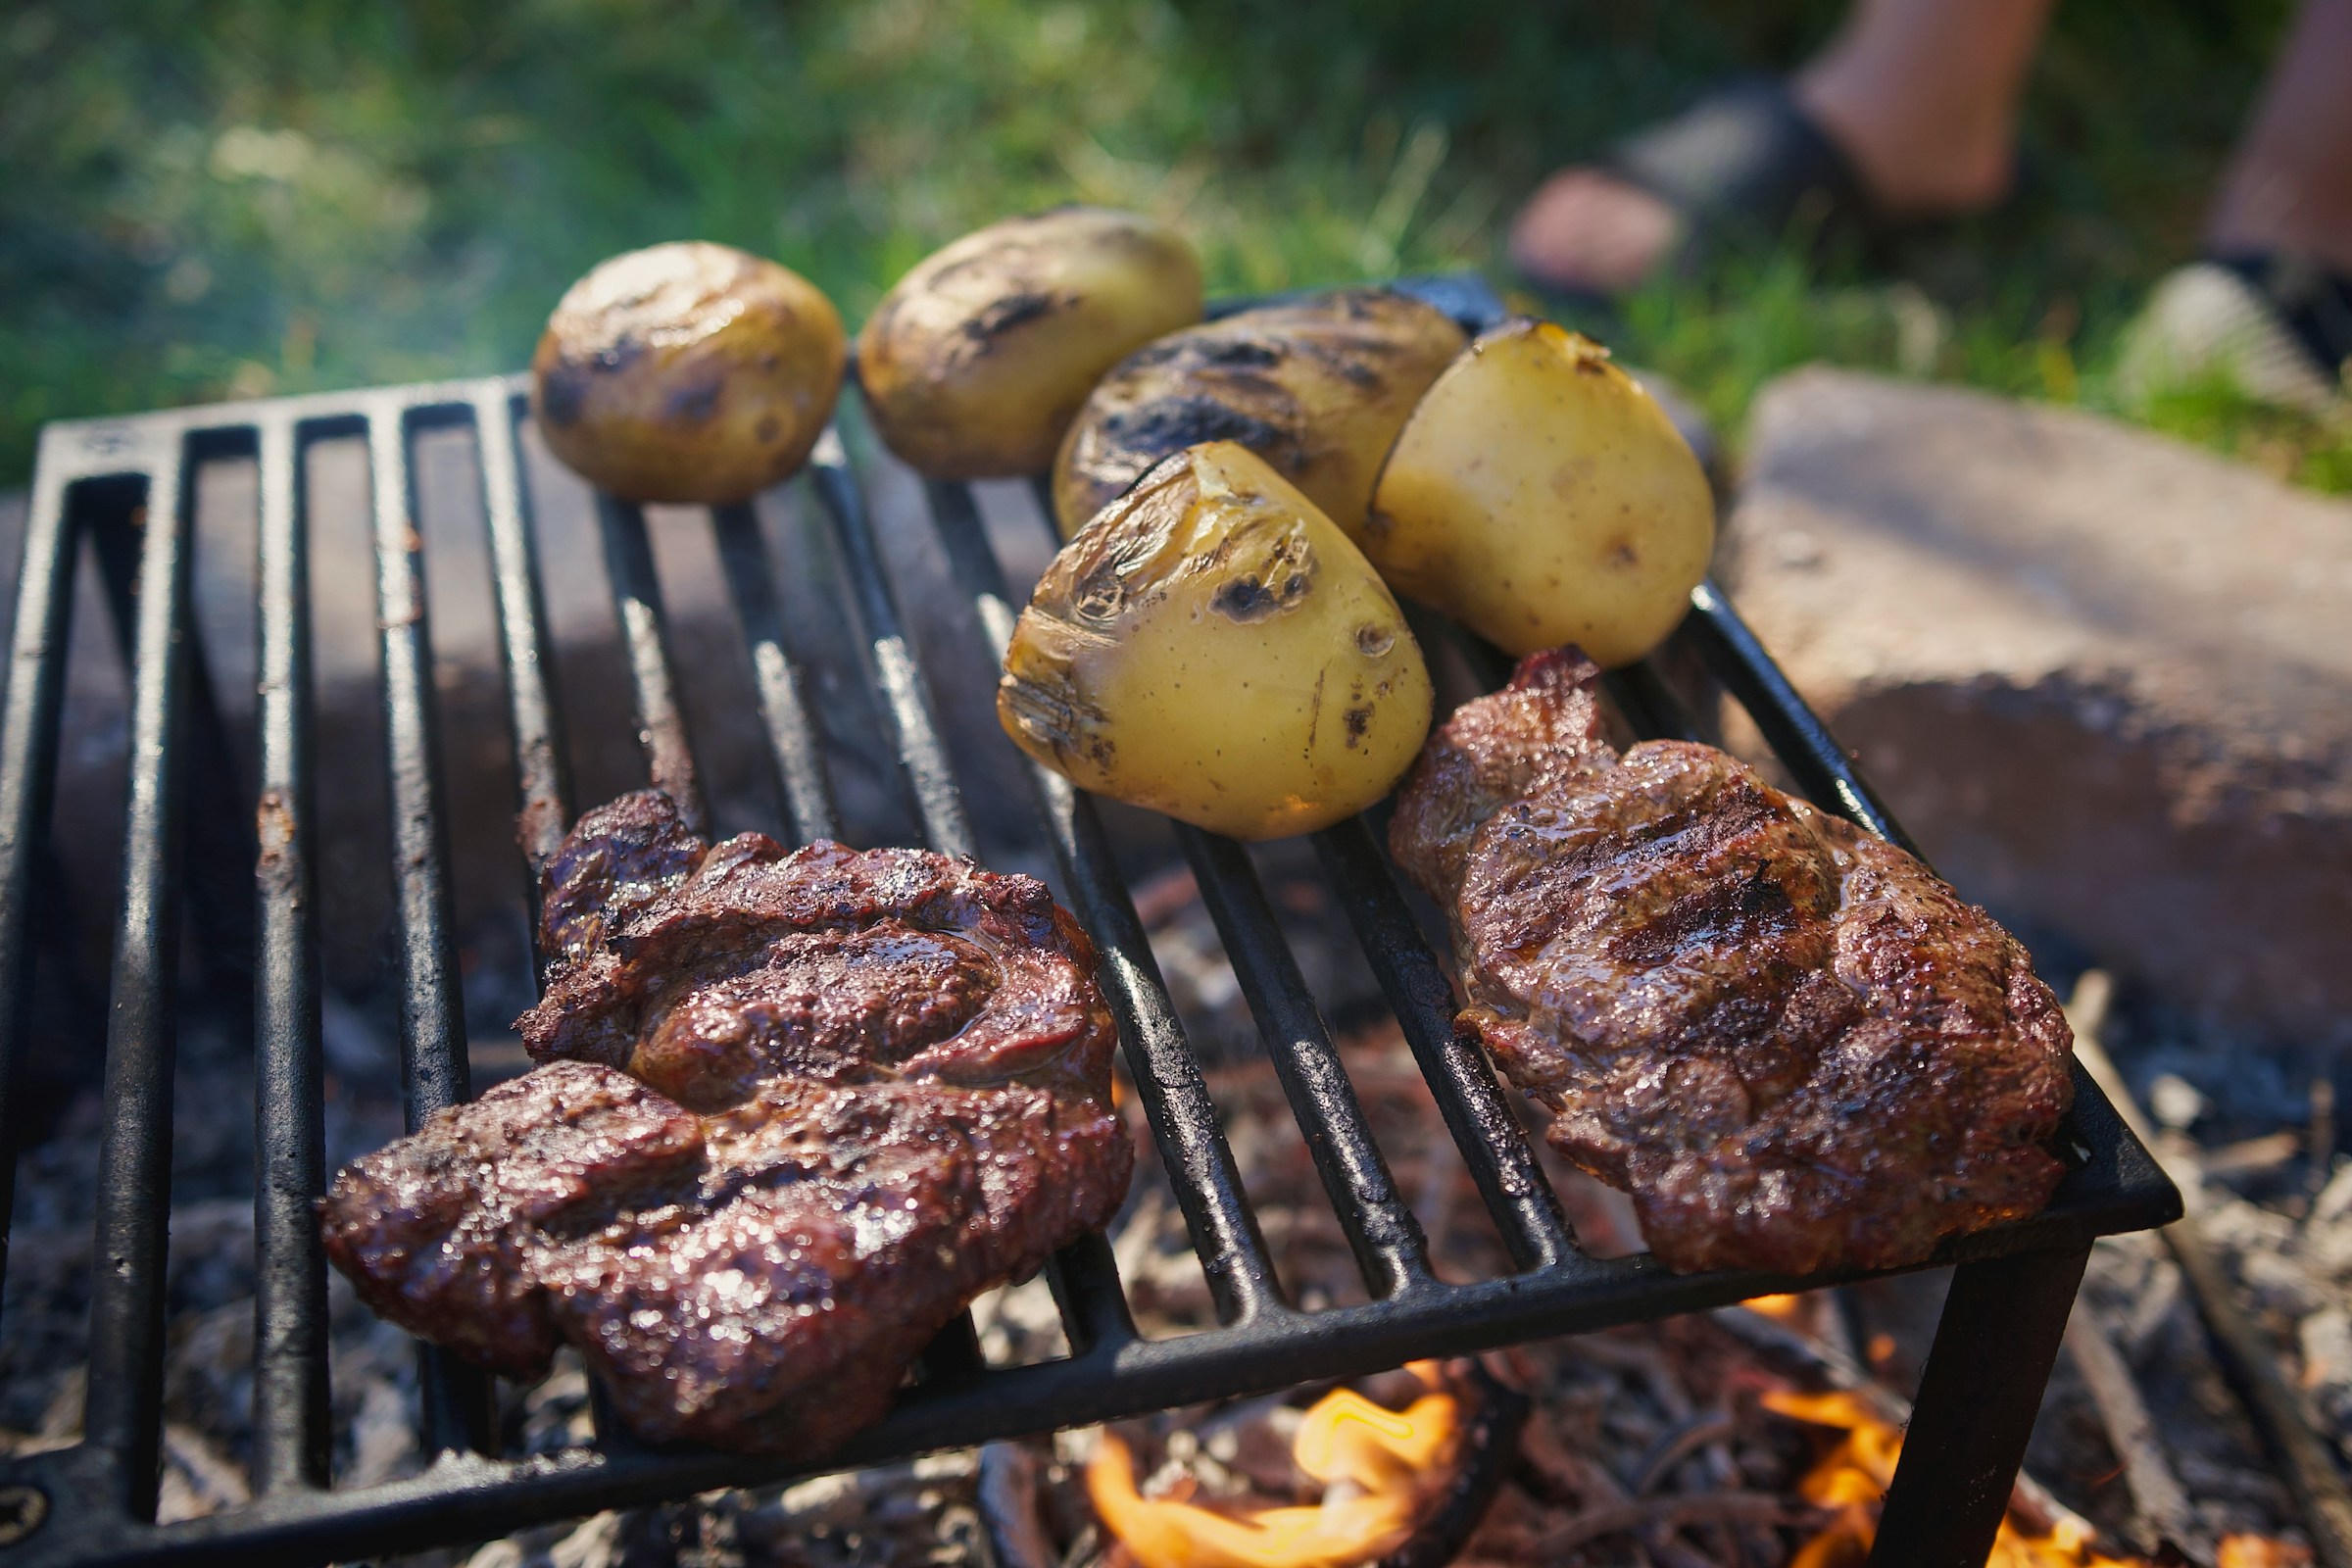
(2105, 678)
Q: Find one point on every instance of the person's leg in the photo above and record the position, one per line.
(2290, 187)
(1921, 96)
(2269, 311)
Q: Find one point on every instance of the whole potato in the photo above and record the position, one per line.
(1317, 387)
(1540, 497)
(688, 373)
(974, 362)
(1213, 646)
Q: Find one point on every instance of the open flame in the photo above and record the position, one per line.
(1852, 1478)
(1377, 1466)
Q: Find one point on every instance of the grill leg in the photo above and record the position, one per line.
(1994, 1352)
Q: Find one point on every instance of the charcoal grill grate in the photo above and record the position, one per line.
(95, 1502)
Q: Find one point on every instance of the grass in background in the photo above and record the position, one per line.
(231, 197)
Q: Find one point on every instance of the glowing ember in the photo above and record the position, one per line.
(1852, 1478)
(1779, 1308)
(1376, 1467)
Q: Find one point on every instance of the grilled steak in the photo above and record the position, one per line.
(796, 1110)
(1794, 1045)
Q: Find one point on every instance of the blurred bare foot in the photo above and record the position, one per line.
(1918, 98)
(1585, 231)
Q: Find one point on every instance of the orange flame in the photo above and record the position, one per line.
(1852, 1478)
(1374, 1464)
(1779, 1308)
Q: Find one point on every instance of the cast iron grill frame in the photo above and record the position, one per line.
(93, 1503)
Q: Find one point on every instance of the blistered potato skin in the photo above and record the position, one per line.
(1540, 497)
(1214, 647)
(975, 360)
(1318, 388)
(688, 373)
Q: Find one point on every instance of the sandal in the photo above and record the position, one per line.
(2277, 328)
(1745, 160)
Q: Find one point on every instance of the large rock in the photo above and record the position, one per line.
(2105, 679)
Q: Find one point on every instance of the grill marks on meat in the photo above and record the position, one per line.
(796, 1110)
(442, 1229)
(824, 964)
(1794, 1045)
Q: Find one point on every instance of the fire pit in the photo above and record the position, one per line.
(127, 486)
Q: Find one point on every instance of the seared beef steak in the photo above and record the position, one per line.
(797, 1109)
(1794, 1045)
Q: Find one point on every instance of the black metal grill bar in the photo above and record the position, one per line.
(1084, 1277)
(468, 1499)
(36, 675)
(217, 839)
(542, 776)
(1736, 657)
(1379, 1225)
(923, 754)
(1167, 1073)
(1525, 1208)
(289, 1357)
(906, 698)
(460, 1412)
(637, 600)
(793, 732)
(123, 1410)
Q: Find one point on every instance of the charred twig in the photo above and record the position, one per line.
(1560, 1475)
(2247, 1358)
(1672, 1511)
(1641, 1359)
(2252, 1156)
(2156, 1490)
(1676, 1445)
(1008, 1496)
(2319, 1134)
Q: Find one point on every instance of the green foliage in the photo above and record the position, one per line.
(215, 197)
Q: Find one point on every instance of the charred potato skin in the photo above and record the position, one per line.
(1539, 496)
(688, 373)
(1319, 388)
(975, 360)
(1213, 648)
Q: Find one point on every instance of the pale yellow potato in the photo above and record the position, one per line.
(688, 373)
(1213, 646)
(1318, 387)
(1539, 496)
(974, 362)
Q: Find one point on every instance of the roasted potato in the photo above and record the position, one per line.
(1540, 497)
(688, 373)
(1318, 388)
(974, 362)
(1213, 646)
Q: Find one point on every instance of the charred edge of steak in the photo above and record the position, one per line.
(616, 860)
